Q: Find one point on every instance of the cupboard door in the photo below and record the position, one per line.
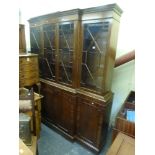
(51, 103)
(66, 50)
(89, 121)
(95, 41)
(59, 108)
(49, 66)
(68, 112)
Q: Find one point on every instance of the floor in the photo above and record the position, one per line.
(52, 143)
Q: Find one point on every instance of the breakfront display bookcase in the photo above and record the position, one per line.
(77, 51)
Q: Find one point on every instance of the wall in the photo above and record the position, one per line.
(123, 83)
(123, 77)
(126, 41)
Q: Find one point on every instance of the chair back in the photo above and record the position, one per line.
(26, 103)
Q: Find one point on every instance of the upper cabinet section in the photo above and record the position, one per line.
(99, 33)
(77, 48)
(54, 41)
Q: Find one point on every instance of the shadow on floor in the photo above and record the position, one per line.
(52, 143)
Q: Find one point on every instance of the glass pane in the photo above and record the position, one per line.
(66, 40)
(94, 48)
(49, 51)
(35, 40)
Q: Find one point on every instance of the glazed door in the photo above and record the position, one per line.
(36, 46)
(89, 122)
(95, 40)
(66, 51)
(49, 59)
(35, 39)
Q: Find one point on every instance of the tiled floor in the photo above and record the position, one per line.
(52, 143)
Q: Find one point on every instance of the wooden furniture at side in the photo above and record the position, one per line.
(122, 145)
(76, 50)
(22, 42)
(28, 69)
(122, 124)
(37, 110)
(26, 105)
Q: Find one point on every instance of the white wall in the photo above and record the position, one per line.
(123, 83)
(34, 8)
(123, 77)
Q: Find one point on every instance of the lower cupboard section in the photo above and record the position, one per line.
(76, 115)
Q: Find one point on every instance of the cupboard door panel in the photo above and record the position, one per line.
(59, 108)
(51, 103)
(89, 121)
(68, 112)
(46, 106)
